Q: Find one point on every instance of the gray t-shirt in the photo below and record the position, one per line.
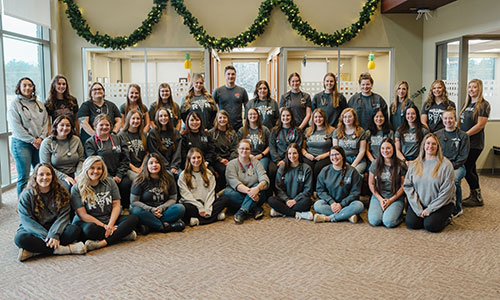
(105, 193)
(232, 100)
(386, 179)
(318, 142)
(409, 145)
(136, 149)
(259, 144)
(298, 104)
(350, 143)
(467, 121)
(324, 101)
(375, 140)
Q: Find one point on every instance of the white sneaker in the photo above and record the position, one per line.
(194, 222)
(221, 216)
(274, 213)
(306, 215)
(353, 219)
(24, 254)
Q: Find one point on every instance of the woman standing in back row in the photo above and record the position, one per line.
(473, 119)
(435, 104)
(330, 100)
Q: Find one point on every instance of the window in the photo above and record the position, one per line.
(247, 75)
(24, 52)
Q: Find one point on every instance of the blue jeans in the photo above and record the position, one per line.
(459, 174)
(239, 200)
(26, 156)
(391, 217)
(173, 213)
(361, 167)
(265, 163)
(354, 208)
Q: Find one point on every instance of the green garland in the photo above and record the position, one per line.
(120, 42)
(288, 7)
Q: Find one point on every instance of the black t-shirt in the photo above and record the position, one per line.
(91, 110)
(63, 107)
(151, 193)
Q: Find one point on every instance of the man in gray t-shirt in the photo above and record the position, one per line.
(231, 98)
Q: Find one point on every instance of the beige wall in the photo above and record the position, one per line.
(401, 32)
(462, 17)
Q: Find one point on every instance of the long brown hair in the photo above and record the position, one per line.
(394, 104)
(246, 125)
(344, 162)
(140, 130)
(256, 91)
(341, 126)
(57, 193)
(229, 128)
(170, 101)
(432, 99)
(53, 129)
(196, 116)
(190, 95)
(335, 95)
(188, 170)
(140, 105)
(394, 169)
(52, 97)
(170, 130)
(165, 177)
(468, 99)
(311, 129)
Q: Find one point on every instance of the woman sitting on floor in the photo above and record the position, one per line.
(197, 189)
(154, 198)
(386, 184)
(293, 188)
(96, 201)
(430, 188)
(43, 210)
(247, 182)
(338, 189)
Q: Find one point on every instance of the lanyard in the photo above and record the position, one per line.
(248, 167)
(287, 134)
(101, 147)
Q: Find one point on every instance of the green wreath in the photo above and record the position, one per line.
(81, 27)
(288, 7)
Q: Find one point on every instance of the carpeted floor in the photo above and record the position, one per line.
(272, 259)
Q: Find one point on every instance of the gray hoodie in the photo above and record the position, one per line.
(28, 119)
(65, 156)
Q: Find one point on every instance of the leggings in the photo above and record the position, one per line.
(470, 166)
(220, 180)
(435, 222)
(281, 207)
(217, 207)
(91, 231)
(316, 167)
(27, 241)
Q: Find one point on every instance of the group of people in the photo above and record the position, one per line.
(102, 173)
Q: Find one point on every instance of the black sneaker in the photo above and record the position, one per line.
(258, 213)
(178, 226)
(239, 216)
(143, 229)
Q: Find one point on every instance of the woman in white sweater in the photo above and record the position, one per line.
(197, 188)
(430, 187)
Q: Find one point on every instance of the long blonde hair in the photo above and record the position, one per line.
(419, 162)
(432, 99)
(468, 99)
(190, 95)
(335, 95)
(87, 192)
(394, 104)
